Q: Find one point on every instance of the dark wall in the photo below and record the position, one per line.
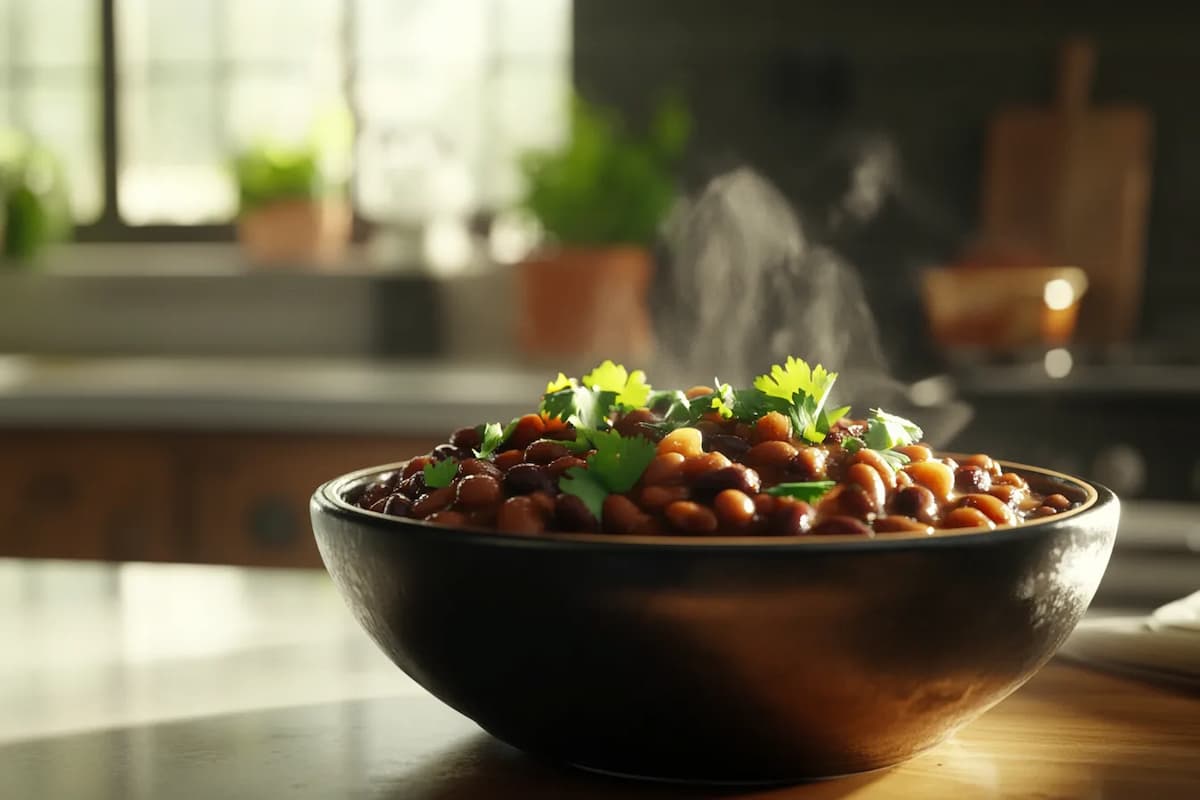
(796, 89)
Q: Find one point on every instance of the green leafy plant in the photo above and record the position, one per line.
(34, 207)
(605, 185)
(269, 171)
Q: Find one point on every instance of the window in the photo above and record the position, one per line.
(467, 84)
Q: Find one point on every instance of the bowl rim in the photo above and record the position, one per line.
(327, 499)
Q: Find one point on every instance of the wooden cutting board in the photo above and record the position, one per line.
(1072, 183)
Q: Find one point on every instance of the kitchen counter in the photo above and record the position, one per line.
(264, 394)
(148, 681)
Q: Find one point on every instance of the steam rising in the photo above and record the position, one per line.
(744, 289)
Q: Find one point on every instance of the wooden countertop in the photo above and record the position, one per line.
(148, 681)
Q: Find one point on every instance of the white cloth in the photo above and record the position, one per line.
(1163, 647)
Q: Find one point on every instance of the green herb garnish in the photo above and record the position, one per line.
(614, 468)
(438, 475)
(588, 403)
(493, 437)
(886, 431)
(804, 391)
(808, 491)
(895, 460)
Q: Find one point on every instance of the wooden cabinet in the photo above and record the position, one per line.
(224, 499)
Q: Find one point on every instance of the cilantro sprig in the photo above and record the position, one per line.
(613, 469)
(804, 390)
(440, 474)
(589, 402)
(493, 437)
(808, 491)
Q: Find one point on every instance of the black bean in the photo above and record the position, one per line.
(396, 505)
(790, 518)
(444, 451)
(413, 486)
(735, 476)
(573, 515)
(466, 438)
(735, 447)
(526, 478)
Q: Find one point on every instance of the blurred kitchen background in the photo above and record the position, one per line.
(250, 245)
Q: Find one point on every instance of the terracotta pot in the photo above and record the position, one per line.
(298, 232)
(585, 301)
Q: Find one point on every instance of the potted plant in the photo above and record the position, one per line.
(34, 206)
(293, 204)
(600, 200)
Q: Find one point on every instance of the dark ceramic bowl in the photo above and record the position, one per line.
(719, 659)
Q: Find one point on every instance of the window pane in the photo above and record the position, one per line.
(165, 31)
(173, 159)
(49, 87)
(534, 29)
(424, 31)
(63, 116)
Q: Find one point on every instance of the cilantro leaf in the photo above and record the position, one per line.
(620, 460)
(852, 444)
(579, 405)
(493, 437)
(894, 459)
(561, 382)
(630, 390)
(614, 468)
(439, 474)
(808, 491)
(796, 377)
(587, 487)
(885, 431)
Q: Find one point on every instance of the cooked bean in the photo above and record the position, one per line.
(665, 469)
(414, 466)
(478, 466)
(896, 523)
(375, 492)
(690, 517)
(993, 508)
(966, 518)
(453, 519)
(982, 461)
(437, 500)
(972, 478)
(656, 497)
(764, 504)
(770, 455)
(1057, 501)
(561, 465)
(772, 427)
(734, 507)
(520, 515)
(1011, 479)
(867, 479)
(840, 525)
(528, 429)
(572, 514)
(808, 464)
(875, 461)
(915, 452)
(620, 515)
(1009, 495)
(735, 476)
(509, 459)
(694, 468)
(688, 442)
(543, 502)
(444, 451)
(395, 505)
(936, 477)
(1043, 511)
(634, 422)
(698, 390)
(413, 486)
(710, 427)
(478, 491)
(469, 438)
(903, 480)
(543, 451)
(735, 447)
(790, 517)
(916, 502)
(526, 478)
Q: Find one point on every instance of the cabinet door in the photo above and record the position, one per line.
(86, 495)
(248, 495)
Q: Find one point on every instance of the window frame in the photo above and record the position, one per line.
(109, 226)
